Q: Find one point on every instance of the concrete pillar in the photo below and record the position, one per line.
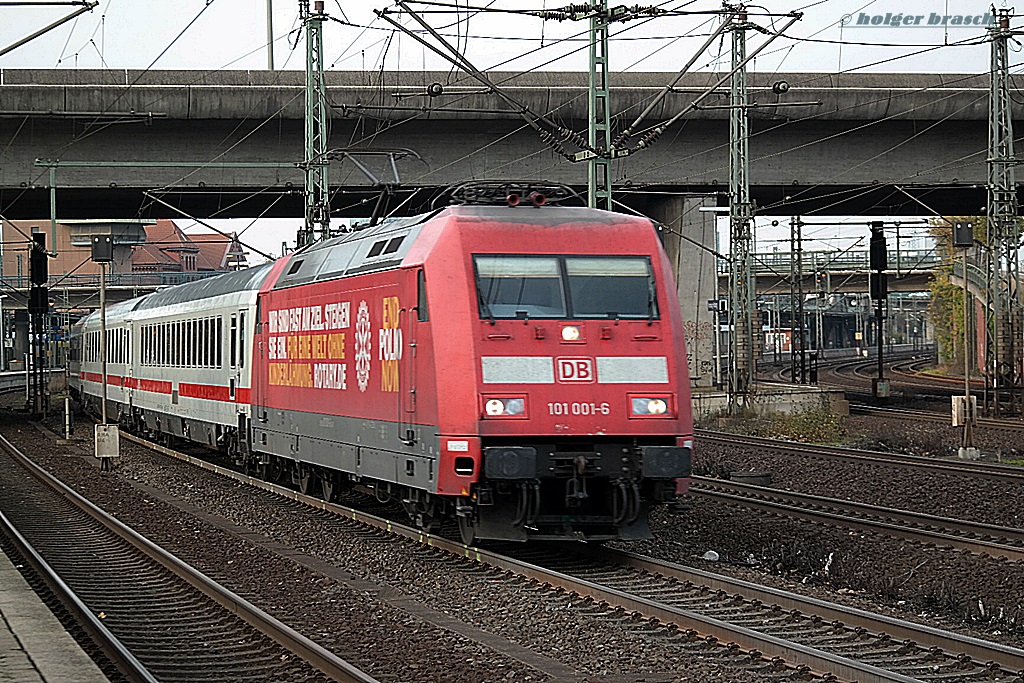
(696, 278)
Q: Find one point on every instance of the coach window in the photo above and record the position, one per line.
(241, 339)
(190, 343)
(206, 342)
(220, 342)
(234, 340)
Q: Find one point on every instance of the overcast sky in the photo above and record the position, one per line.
(232, 34)
(833, 35)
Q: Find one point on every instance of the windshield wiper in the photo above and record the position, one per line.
(486, 307)
(650, 303)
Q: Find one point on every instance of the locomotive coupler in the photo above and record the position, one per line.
(575, 492)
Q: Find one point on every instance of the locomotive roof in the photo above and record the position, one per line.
(370, 249)
(385, 246)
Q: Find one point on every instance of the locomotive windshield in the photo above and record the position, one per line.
(520, 286)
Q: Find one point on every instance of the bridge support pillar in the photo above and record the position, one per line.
(696, 281)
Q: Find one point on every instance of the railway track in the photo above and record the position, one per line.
(158, 618)
(763, 627)
(975, 537)
(985, 470)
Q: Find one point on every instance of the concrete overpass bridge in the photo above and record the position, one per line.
(224, 143)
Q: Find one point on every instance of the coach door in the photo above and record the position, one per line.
(235, 356)
(128, 384)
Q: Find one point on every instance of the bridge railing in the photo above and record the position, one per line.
(778, 262)
(976, 276)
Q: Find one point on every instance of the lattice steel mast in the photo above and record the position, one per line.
(317, 223)
(1003, 310)
(599, 179)
(742, 310)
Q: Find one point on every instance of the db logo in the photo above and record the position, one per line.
(575, 370)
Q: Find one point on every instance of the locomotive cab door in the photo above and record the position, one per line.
(413, 319)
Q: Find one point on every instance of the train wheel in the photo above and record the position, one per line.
(271, 471)
(307, 480)
(329, 488)
(467, 529)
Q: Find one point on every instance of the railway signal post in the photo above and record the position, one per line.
(878, 261)
(107, 436)
(964, 407)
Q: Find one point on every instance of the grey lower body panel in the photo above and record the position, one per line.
(367, 448)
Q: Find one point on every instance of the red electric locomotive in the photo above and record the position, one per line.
(519, 369)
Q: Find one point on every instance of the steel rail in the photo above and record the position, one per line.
(918, 527)
(316, 655)
(794, 653)
(126, 663)
(926, 636)
(985, 470)
(931, 416)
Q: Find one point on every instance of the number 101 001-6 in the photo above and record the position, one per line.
(579, 409)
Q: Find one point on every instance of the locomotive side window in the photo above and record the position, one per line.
(611, 287)
(511, 286)
(422, 312)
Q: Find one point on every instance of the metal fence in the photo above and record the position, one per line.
(125, 280)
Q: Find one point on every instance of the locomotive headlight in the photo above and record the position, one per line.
(571, 333)
(648, 406)
(657, 406)
(505, 407)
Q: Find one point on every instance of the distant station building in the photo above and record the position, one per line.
(160, 248)
(148, 253)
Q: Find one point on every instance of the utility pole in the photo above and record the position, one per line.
(317, 223)
(1003, 350)
(270, 35)
(742, 308)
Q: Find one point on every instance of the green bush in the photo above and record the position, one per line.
(814, 425)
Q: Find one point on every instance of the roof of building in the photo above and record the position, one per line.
(218, 252)
(165, 242)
